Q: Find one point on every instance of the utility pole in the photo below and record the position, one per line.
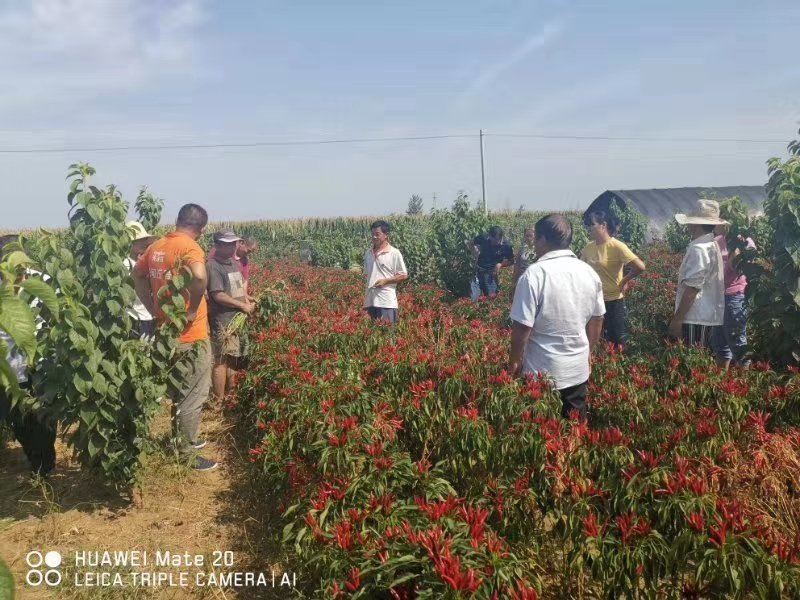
(434, 201)
(483, 177)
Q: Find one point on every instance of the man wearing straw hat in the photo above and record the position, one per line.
(145, 322)
(700, 298)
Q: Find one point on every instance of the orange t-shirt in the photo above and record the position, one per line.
(160, 261)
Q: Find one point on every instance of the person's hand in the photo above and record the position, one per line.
(191, 315)
(497, 268)
(675, 329)
(624, 286)
(249, 307)
(380, 283)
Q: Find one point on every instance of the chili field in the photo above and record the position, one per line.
(407, 463)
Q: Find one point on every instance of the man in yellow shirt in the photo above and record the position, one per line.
(608, 256)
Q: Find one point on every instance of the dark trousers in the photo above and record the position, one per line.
(488, 282)
(379, 313)
(37, 437)
(574, 398)
(614, 322)
(729, 340)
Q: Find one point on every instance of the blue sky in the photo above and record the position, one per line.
(89, 73)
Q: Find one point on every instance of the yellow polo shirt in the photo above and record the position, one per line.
(608, 260)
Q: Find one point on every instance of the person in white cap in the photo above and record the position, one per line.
(145, 322)
(700, 298)
(227, 296)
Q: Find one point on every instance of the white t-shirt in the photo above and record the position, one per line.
(557, 296)
(137, 309)
(702, 268)
(386, 264)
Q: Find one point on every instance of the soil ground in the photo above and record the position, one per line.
(180, 511)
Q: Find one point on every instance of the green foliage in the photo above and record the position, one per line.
(17, 316)
(453, 232)
(580, 237)
(415, 205)
(676, 237)
(337, 250)
(328, 242)
(414, 238)
(631, 227)
(149, 209)
(6, 582)
(95, 374)
(775, 276)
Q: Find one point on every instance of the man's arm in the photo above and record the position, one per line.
(197, 288)
(687, 300)
(593, 330)
(225, 299)
(637, 267)
(474, 248)
(389, 280)
(517, 268)
(508, 258)
(519, 338)
(142, 285)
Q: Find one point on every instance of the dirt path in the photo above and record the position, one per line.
(181, 512)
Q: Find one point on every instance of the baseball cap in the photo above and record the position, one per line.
(226, 236)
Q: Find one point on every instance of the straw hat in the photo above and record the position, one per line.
(705, 212)
(139, 232)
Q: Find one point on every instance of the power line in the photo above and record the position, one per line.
(232, 144)
(611, 138)
(152, 147)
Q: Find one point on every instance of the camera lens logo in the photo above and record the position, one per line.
(43, 568)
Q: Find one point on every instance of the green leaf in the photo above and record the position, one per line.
(82, 382)
(99, 384)
(114, 307)
(18, 259)
(8, 378)
(41, 290)
(65, 279)
(88, 415)
(95, 445)
(6, 582)
(17, 320)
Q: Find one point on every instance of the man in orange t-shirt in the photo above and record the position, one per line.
(153, 269)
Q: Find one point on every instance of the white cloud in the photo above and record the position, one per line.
(63, 51)
(549, 33)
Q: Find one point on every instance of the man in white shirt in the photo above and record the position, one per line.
(557, 315)
(700, 299)
(384, 268)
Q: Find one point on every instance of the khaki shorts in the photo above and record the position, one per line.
(224, 344)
